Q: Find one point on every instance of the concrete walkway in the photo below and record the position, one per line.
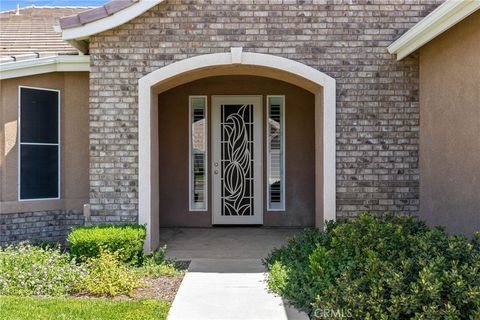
(226, 279)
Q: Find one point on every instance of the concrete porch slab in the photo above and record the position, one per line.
(223, 242)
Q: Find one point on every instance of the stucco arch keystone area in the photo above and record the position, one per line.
(234, 62)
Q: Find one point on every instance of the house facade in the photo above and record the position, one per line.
(277, 114)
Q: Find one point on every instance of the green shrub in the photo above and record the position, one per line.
(107, 276)
(380, 268)
(294, 256)
(156, 265)
(27, 270)
(125, 240)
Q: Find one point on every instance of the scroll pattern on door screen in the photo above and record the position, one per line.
(237, 156)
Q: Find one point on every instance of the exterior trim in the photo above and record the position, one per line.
(441, 19)
(282, 182)
(326, 116)
(190, 143)
(20, 143)
(109, 22)
(44, 65)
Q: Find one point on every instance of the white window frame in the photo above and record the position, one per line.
(282, 205)
(190, 148)
(20, 143)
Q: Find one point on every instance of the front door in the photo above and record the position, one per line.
(237, 159)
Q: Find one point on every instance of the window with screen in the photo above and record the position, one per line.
(276, 152)
(39, 153)
(198, 153)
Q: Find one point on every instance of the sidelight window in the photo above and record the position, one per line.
(276, 152)
(198, 153)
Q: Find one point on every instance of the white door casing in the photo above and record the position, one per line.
(237, 160)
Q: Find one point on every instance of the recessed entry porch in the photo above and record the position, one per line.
(235, 138)
(236, 150)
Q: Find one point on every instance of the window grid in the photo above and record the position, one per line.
(198, 154)
(21, 143)
(276, 153)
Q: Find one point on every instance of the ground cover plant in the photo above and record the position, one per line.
(30, 273)
(379, 268)
(156, 265)
(106, 276)
(27, 270)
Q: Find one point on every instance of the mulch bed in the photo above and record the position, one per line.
(163, 288)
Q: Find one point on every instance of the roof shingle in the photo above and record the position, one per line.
(31, 31)
(95, 14)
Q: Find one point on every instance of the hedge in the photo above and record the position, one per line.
(126, 240)
(379, 268)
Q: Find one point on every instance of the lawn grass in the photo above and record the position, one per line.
(66, 308)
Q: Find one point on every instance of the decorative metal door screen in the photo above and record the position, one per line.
(237, 155)
(237, 159)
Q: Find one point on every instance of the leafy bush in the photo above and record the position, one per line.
(156, 265)
(30, 270)
(125, 240)
(27, 270)
(295, 256)
(107, 276)
(380, 268)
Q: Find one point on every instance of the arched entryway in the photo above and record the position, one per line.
(235, 62)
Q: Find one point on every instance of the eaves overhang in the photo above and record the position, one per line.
(31, 67)
(438, 21)
(78, 28)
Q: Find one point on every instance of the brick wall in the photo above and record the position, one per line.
(377, 97)
(50, 226)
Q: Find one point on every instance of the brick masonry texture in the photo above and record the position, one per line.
(50, 226)
(377, 97)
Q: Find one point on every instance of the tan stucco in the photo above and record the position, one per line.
(73, 88)
(450, 128)
(299, 145)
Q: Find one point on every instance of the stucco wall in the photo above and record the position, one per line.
(377, 96)
(299, 146)
(17, 220)
(450, 128)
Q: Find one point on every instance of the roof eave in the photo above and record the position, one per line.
(31, 67)
(441, 19)
(83, 32)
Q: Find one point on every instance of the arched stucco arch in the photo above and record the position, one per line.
(230, 63)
